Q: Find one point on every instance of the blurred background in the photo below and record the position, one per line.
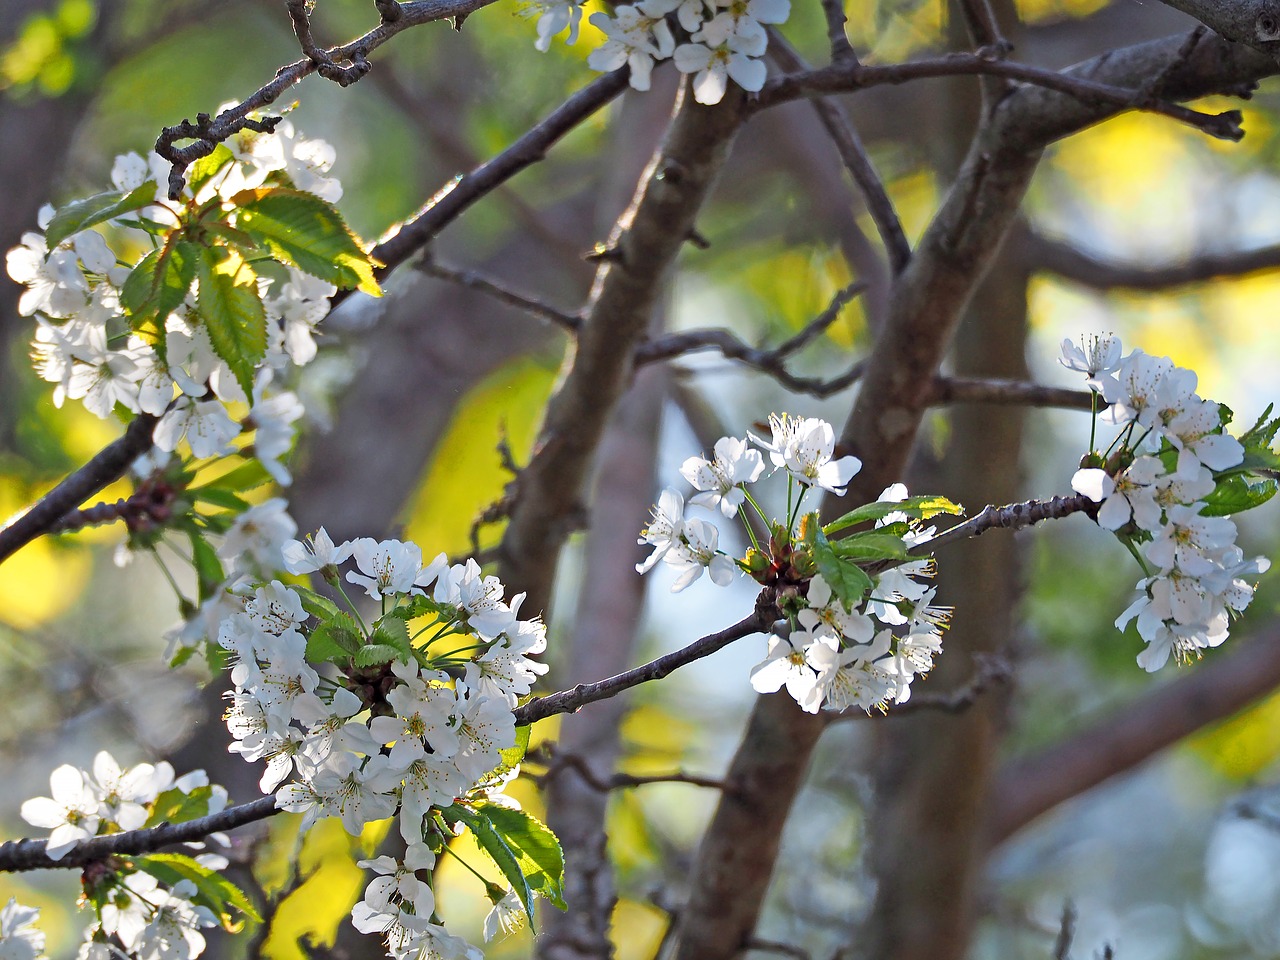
(1135, 226)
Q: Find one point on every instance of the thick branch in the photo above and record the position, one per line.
(108, 466)
(1253, 22)
(1072, 263)
(19, 855)
(1212, 690)
(633, 271)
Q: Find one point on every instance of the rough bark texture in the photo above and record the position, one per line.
(926, 306)
(598, 367)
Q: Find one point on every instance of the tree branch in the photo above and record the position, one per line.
(1071, 263)
(208, 132)
(1252, 22)
(491, 288)
(567, 701)
(1218, 687)
(840, 78)
(106, 467)
(1014, 516)
(947, 390)
(854, 155)
(20, 855)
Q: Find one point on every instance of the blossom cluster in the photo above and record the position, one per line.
(136, 914)
(839, 650)
(722, 39)
(1159, 489)
(376, 721)
(79, 289)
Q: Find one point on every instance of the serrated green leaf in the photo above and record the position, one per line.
(213, 890)
(200, 172)
(1237, 494)
(419, 606)
(335, 639)
(308, 232)
(870, 546)
(231, 308)
(99, 208)
(320, 607)
(375, 654)
(537, 849)
(393, 632)
(848, 581)
(232, 237)
(209, 571)
(495, 846)
(512, 757)
(157, 286)
(919, 508)
(175, 806)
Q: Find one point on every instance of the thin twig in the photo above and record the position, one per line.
(556, 762)
(841, 50)
(982, 25)
(989, 670)
(325, 65)
(19, 855)
(854, 155)
(1066, 932)
(106, 467)
(1071, 263)
(841, 78)
(1014, 516)
(567, 701)
(1018, 393)
(208, 131)
(491, 288)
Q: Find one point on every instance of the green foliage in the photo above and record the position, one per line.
(847, 580)
(1236, 494)
(301, 229)
(156, 287)
(322, 608)
(209, 571)
(176, 806)
(101, 207)
(918, 508)
(870, 546)
(337, 638)
(232, 311)
(213, 890)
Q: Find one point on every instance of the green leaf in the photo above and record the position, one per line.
(157, 286)
(847, 580)
(420, 606)
(208, 567)
(393, 632)
(200, 172)
(301, 229)
(213, 890)
(99, 208)
(220, 497)
(537, 849)
(492, 842)
(1236, 494)
(174, 806)
(919, 508)
(870, 546)
(231, 308)
(320, 607)
(248, 475)
(512, 757)
(335, 639)
(376, 654)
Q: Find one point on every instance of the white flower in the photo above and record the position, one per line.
(1099, 359)
(173, 932)
(804, 446)
(697, 552)
(479, 596)
(1196, 433)
(259, 534)
(1140, 378)
(1131, 495)
(851, 677)
(506, 917)
(123, 794)
(485, 727)
(204, 423)
(319, 551)
(553, 17)
(19, 940)
(1189, 541)
(638, 35)
(71, 813)
(387, 567)
(721, 479)
(275, 608)
(797, 662)
(396, 884)
(664, 530)
(826, 615)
